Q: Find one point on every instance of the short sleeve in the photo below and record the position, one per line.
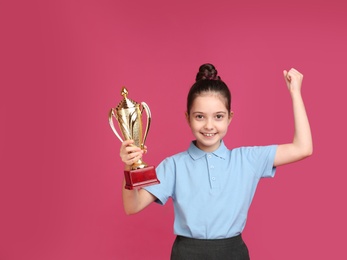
(261, 159)
(266, 158)
(166, 175)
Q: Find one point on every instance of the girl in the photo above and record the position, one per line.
(211, 186)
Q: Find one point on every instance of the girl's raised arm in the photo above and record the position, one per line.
(301, 147)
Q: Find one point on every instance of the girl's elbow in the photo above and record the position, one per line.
(310, 152)
(129, 212)
(307, 152)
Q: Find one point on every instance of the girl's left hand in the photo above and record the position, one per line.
(293, 79)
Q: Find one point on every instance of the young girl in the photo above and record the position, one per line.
(211, 186)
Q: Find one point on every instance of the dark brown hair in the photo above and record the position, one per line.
(207, 80)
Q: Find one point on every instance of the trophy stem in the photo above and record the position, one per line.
(138, 165)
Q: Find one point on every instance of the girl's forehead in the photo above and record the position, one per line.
(211, 96)
(210, 99)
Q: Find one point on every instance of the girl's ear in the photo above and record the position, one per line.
(187, 118)
(231, 115)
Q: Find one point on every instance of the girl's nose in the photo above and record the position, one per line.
(209, 125)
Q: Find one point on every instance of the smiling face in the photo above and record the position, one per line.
(209, 119)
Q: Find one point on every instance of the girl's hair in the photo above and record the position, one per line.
(207, 80)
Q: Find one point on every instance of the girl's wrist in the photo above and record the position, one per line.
(295, 93)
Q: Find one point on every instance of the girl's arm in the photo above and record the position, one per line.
(137, 199)
(301, 147)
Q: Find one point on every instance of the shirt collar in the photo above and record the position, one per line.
(196, 153)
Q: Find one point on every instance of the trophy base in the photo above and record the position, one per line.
(140, 178)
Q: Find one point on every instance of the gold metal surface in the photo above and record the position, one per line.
(128, 114)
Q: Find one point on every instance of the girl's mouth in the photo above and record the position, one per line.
(209, 134)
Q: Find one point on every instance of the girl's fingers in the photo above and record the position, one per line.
(132, 157)
(130, 153)
(132, 149)
(129, 147)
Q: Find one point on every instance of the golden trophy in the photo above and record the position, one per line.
(128, 114)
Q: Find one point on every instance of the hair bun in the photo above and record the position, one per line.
(207, 71)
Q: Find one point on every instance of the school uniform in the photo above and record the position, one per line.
(211, 194)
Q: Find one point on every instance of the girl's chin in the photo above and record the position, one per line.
(208, 146)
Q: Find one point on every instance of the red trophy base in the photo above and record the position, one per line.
(140, 178)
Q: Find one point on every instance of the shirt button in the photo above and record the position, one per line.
(212, 167)
(213, 178)
(209, 156)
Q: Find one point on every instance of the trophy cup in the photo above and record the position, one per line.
(128, 113)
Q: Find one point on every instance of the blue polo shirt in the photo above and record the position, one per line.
(212, 192)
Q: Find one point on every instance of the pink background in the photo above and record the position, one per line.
(62, 66)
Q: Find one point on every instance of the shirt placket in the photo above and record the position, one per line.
(212, 174)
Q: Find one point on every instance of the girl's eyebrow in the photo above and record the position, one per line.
(198, 112)
(221, 112)
(218, 112)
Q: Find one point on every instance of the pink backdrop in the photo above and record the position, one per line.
(62, 66)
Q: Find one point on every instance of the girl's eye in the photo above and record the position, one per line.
(219, 116)
(199, 116)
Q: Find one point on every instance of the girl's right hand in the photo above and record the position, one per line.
(130, 153)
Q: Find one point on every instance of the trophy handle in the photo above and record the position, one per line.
(148, 112)
(110, 115)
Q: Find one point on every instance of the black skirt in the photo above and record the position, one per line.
(233, 248)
